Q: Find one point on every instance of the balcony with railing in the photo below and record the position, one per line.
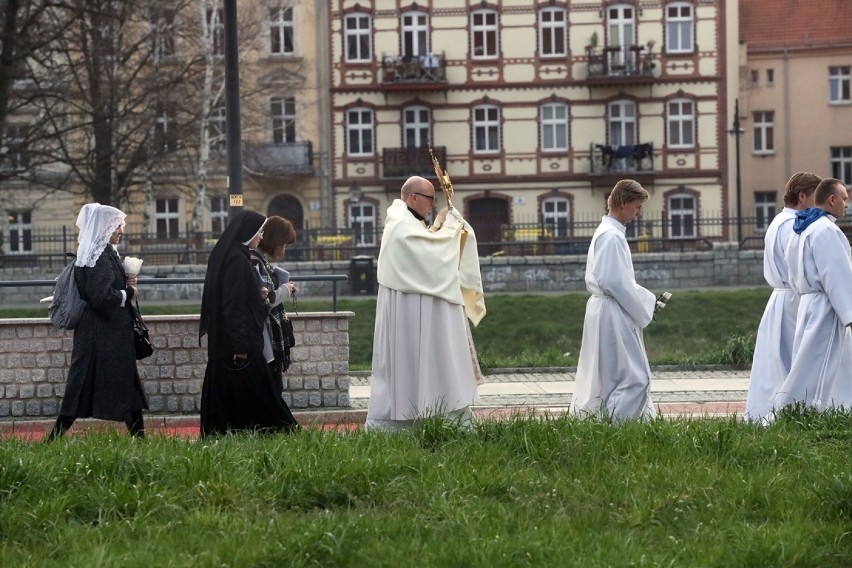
(616, 159)
(619, 65)
(280, 159)
(414, 72)
(404, 162)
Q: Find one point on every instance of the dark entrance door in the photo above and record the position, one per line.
(288, 207)
(487, 215)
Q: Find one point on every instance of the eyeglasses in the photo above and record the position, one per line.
(431, 198)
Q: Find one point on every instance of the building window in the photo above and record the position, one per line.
(620, 34)
(679, 28)
(556, 216)
(283, 112)
(362, 222)
(484, 34)
(754, 77)
(281, 31)
(554, 127)
(553, 32)
(216, 128)
(681, 119)
(359, 129)
(841, 164)
(165, 139)
(486, 128)
(770, 77)
(682, 215)
(358, 32)
(164, 34)
(764, 209)
(839, 84)
(17, 156)
(166, 218)
(622, 123)
(218, 215)
(20, 232)
(764, 132)
(417, 125)
(415, 34)
(216, 26)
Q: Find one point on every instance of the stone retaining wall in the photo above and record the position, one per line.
(34, 359)
(724, 265)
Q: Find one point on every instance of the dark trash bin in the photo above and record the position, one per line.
(362, 275)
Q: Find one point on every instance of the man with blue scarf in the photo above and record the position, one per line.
(820, 270)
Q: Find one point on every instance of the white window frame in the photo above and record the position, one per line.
(164, 35)
(281, 29)
(358, 38)
(681, 123)
(485, 33)
(622, 123)
(416, 126)
(168, 217)
(359, 123)
(556, 215)
(415, 34)
(621, 28)
(552, 126)
(218, 214)
(17, 153)
(553, 32)
(763, 131)
(282, 110)
(217, 128)
(680, 21)
(682, 213)
(163, 136)
(486, 129)
(765, 209)
(841, 164)
(362, 223)
(20, 232)
(840, 84)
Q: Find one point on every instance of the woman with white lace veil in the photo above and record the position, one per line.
(103, 381)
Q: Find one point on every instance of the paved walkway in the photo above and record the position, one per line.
(676, 392)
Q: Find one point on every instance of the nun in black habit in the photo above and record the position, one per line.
(239, 391)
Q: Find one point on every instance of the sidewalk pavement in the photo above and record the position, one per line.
(698, 393)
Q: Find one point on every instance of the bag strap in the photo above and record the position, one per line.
(137, 316)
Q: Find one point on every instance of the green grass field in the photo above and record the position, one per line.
(521, 492)
(697, 327)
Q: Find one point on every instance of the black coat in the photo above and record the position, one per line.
(103, 381)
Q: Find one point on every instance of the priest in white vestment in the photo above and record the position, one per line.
(424, 363)
(613, 375)
(774, 346)
(820, 267)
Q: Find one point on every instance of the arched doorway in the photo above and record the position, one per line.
(487, 215)
(288, 207)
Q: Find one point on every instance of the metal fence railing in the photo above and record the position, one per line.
(47, 246)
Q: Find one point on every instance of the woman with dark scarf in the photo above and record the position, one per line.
(103, 381)
(239, 392)
(278, 338)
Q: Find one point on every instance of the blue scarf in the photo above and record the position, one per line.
(805, 218)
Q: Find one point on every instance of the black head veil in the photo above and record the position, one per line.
(242, 227)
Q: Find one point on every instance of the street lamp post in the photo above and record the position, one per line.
(232, 109)
(737, 131)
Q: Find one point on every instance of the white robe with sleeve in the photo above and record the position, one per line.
(613, 375)
(774, 346)
(422, 357)
(820, 265)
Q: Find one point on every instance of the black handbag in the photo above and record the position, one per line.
(140, 335)
(289, 341)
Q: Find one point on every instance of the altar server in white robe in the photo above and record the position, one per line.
(774, 346)
(820, 265)
(424, 363)
(613, 376)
